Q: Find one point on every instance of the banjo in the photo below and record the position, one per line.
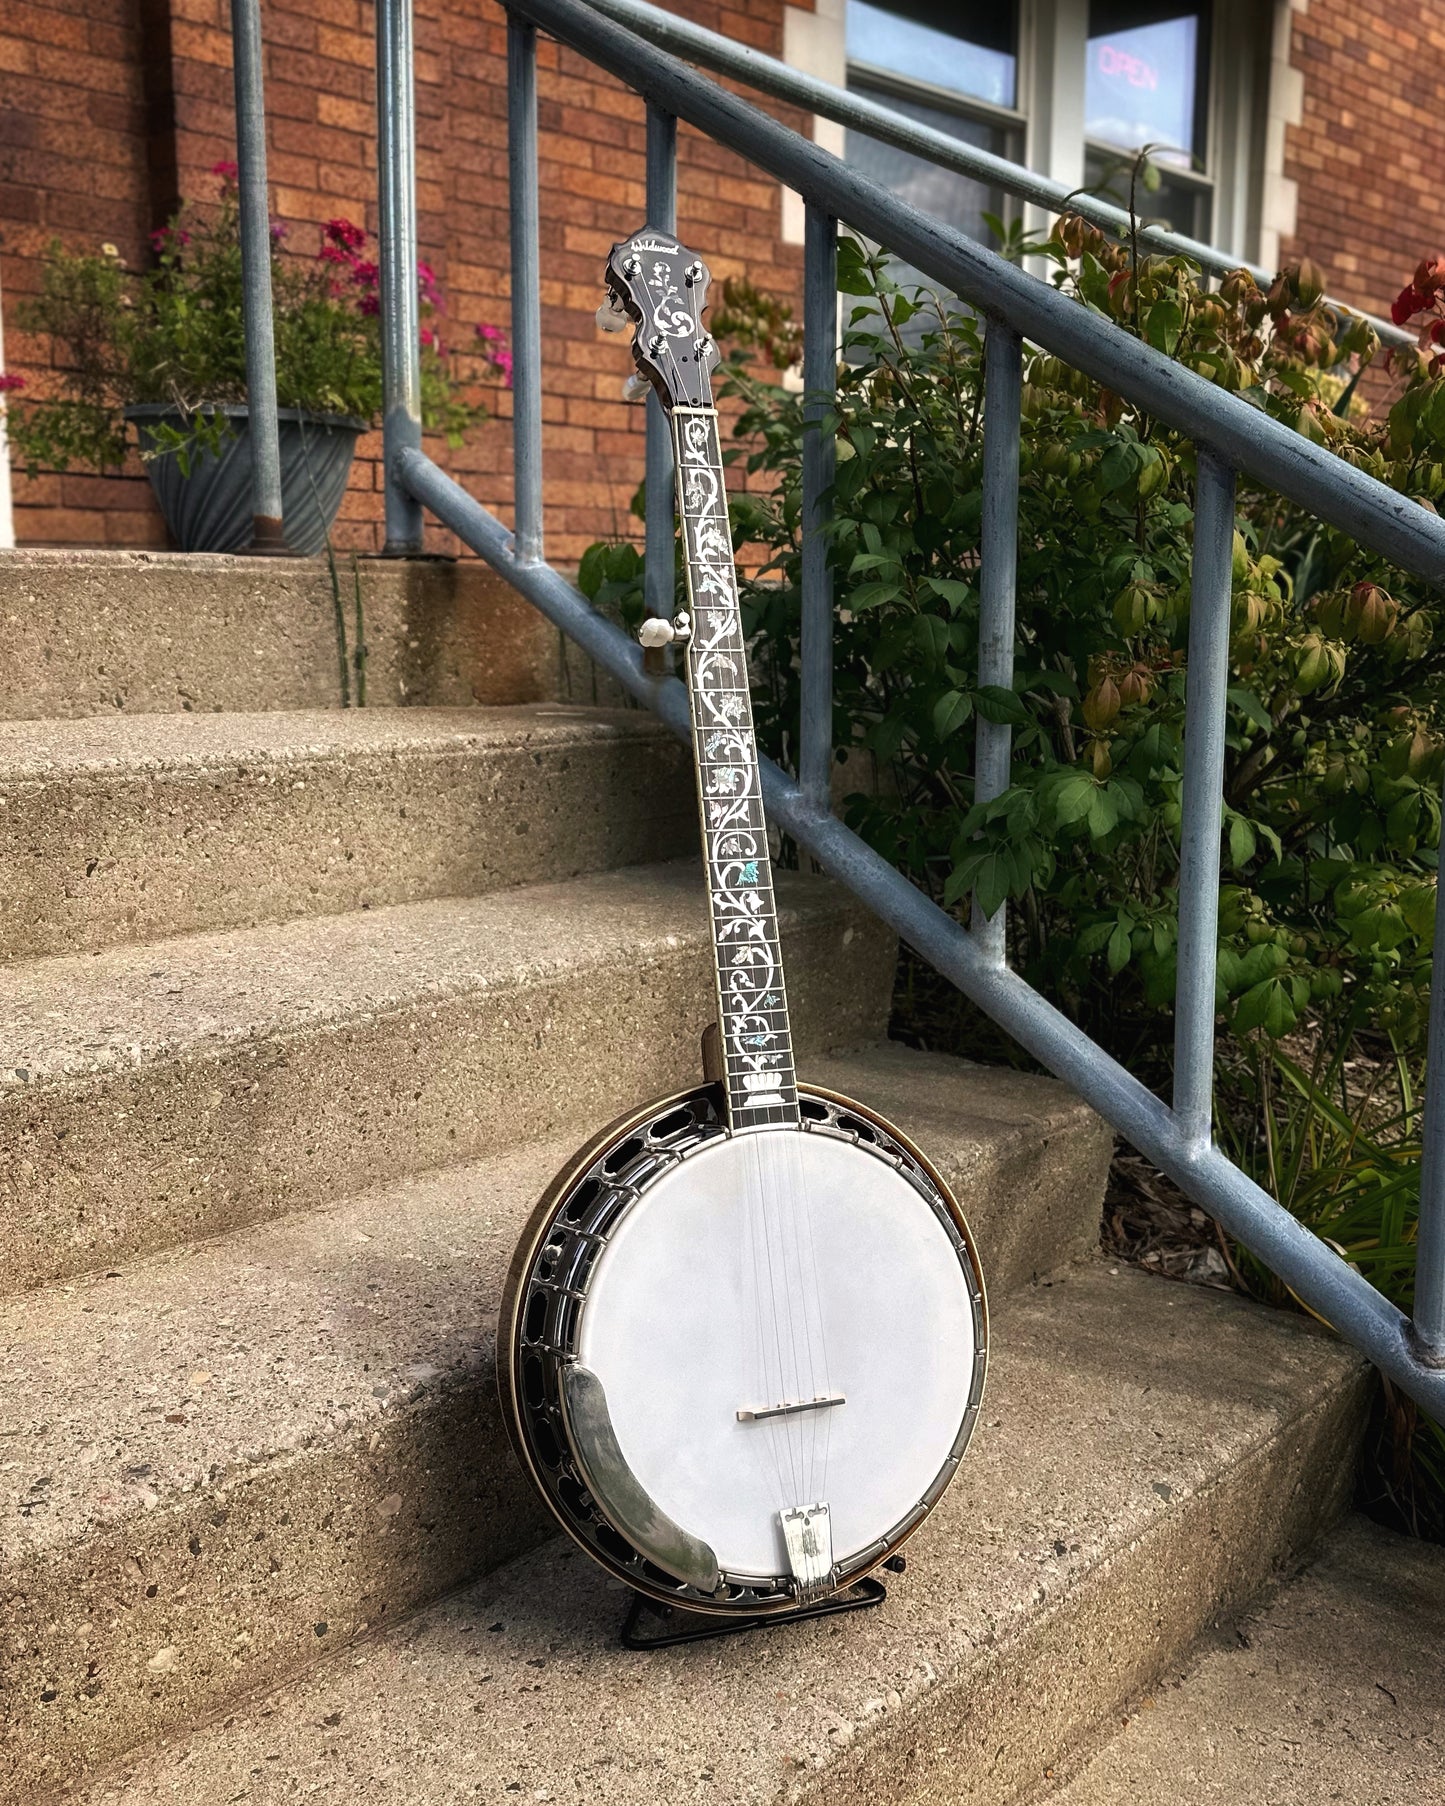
(743, 1339)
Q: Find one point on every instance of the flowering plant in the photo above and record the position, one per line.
(174, 333)
(1420, 305)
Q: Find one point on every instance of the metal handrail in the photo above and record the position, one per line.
(257, 317)
(1232, 437)
(742, 63)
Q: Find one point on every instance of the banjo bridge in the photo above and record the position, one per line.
(820, 1403)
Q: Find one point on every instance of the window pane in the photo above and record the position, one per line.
(1144, 79)
(969, 49)
(957, 200)
(1181, 206)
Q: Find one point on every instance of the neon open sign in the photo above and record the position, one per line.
(1133, 69)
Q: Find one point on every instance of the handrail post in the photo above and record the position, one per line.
(997, 584)
(400, 319)
(526, 295)
(820, 463)
(267, 534)
(1206, 686)
(1428, 1327)
(659, 557)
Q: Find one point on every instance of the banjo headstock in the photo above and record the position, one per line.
(661, 287)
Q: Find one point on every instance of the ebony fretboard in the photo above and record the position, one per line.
(752, 1003)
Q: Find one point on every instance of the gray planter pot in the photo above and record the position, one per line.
(210, 509)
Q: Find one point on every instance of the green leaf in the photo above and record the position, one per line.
(1117, 467)
(1093, 939)
(1000, 706)
(1073, 798)
(1163, 324)
(1250, 706)
(1120, 946)
(1268, 1005)
(854, 275)
(950, 589)
(950, 712)
(872, 595)
(1241, 842)
(931, 637)
(1103, 811)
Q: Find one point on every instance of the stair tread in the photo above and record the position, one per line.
(1332, 1693)
(80, 1013)
(154, 1094)
(319, 1324)
(102, 745)
(1121, 1410)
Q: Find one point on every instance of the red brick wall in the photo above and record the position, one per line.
(74, 166)
(1365, 155)
(154, 134)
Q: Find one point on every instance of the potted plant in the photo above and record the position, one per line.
(163, 351)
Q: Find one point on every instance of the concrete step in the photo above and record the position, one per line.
(150, 1095)
(1329, 1693)
(249, 1451)
(128, 828)
(1149, 1455)
(100, 633)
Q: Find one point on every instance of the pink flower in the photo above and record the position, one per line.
(335, 254)
(366, 275)
(345, 233)
(491, 334)
(368, 305)
(427, 283)
(279, 230)
(226, 170)
(9, 383)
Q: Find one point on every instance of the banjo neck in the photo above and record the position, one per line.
(662, 289)
(752, 1003)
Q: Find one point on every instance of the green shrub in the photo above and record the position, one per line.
(1335, 736)
(1337, 1139)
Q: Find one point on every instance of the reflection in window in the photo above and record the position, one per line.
(925, 41)
(955, 199)
(1145, 77)
(1181, 205)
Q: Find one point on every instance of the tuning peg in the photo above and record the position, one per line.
(636, 388)
(682, 625)
(655, 634)
(611, 316)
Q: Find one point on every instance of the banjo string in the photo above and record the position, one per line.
(802, 1466)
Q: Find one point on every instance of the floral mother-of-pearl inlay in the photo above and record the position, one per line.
(757, 1043)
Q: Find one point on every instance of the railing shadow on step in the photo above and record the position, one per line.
(1231, 437)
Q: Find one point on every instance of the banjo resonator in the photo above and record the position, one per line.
(744, 1337)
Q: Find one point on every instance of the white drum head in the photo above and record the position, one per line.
(767, 1269)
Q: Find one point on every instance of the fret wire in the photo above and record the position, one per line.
(723, 720)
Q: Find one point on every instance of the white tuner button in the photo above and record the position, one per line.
(636, 388)
(682, 626)
(610, 316)
(654, 631)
